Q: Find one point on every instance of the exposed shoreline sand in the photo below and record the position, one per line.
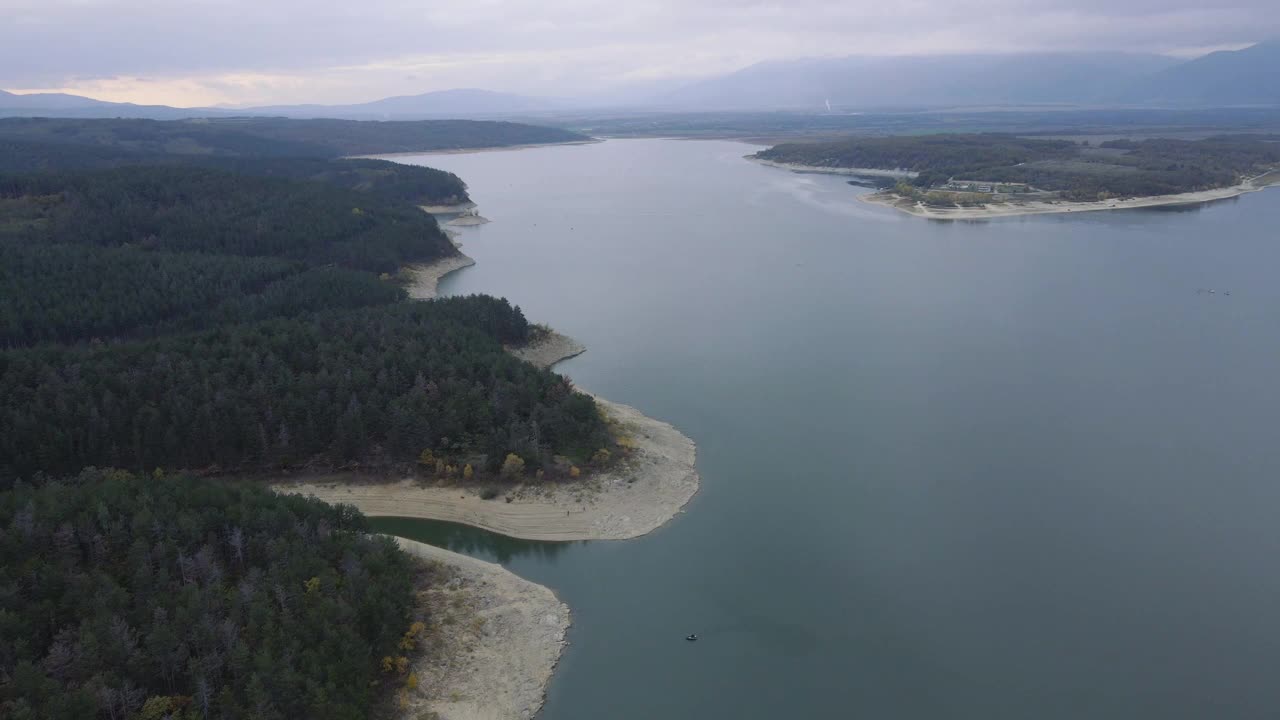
(640, 495)
(1014, 209)
(500, 669)
(819, 170)
(452, 209)
(427, 277)
(548, 349)
(500, 638)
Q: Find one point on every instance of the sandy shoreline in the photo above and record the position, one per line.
(453, 209)
(499, 640)
(640, 495)
(548, 350)
(1014, 209)
(817, 169)
(426, 278)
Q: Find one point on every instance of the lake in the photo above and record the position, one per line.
(1017, 468)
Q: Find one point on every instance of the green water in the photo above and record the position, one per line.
(1011, 469)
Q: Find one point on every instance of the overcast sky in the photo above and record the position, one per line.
(203, 52)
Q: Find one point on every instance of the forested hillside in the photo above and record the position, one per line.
(195, 209)
(164, 597)
(395, 181)
(404, 183)
(280, 137)
(368, 137)
(73, 293)
(176, 297)
(378, 385)
(1115, 168)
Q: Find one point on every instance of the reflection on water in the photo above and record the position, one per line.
(468, 540)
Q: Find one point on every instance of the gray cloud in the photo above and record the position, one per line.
(242, 49)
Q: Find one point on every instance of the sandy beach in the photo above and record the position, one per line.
(549, 349)
(467, 220)
(639, 495)
(454, 209)
(1040, 207)
(862, 172)
(497, 640)
(425, 278)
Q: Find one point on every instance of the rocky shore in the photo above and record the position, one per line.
(496, 640)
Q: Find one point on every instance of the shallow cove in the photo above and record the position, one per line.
(1004, 469)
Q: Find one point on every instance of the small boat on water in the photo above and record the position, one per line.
(691, 637)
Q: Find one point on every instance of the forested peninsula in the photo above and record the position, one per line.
(975, 175)
(190, 317)
(275, 137)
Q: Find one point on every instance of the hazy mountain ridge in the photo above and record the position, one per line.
(921, 81)
(442, 103)
(1243, 77)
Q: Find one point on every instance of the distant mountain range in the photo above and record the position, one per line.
(64, 105)
(1242, 77)
(466, 102)
(1231, 78)
(923, 81)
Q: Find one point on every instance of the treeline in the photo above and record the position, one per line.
(165, 597)
(278, 137)
(372, 137)
(403, 183)
(72, 293)
(376, 385)
(1115, 168)
(225, 314)
(190, 209)
(413, 184)
(934, 157)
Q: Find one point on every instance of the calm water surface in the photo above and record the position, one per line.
(1009, 469)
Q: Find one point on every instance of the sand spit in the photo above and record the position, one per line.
(641, 494)
(861, 172)
(425, 279)
(454, 209)
(500, 637)
(467, 220)
(550, 348)
(1041, 207)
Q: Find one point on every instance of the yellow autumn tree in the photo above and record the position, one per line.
(574, 471)
(467, 472)
(513, 465)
